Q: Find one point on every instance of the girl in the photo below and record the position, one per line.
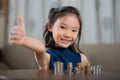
(62, 36)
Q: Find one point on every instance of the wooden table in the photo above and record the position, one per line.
(49, 75)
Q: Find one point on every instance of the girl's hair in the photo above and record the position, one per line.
(56, 13)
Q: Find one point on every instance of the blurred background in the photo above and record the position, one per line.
(101, 21)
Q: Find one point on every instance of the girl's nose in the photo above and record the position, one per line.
(67, 34)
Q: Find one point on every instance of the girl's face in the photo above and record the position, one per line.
(65, 30)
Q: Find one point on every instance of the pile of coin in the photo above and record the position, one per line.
(96, 69)
(79, 66)
(59, 68)
(69, 68)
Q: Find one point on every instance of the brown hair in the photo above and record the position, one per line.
(56, 13)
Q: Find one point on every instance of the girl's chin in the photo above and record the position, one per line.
(64, 46)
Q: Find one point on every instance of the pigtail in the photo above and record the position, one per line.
(51, 14)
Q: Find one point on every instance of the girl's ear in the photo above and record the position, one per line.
(50, 28)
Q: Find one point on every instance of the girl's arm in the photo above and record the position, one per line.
(18, 36)
(41, 56)
(34, 45)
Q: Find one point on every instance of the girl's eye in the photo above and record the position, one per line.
(74, 30)
(62, 27)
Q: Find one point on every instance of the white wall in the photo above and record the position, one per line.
(2, 31)
(89, 32)
(100, 18)
(106, 19)
(117, 21)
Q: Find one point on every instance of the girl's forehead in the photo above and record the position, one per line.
(69, 19)
(69, 15)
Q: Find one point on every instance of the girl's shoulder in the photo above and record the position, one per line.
(83, 56)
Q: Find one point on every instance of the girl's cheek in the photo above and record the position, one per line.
(75, 37)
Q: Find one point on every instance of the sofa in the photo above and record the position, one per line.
(17, 57)
(3, 65)
(107, 55)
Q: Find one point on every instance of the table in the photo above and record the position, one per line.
(37, 74)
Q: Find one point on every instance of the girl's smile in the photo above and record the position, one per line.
(65, 41)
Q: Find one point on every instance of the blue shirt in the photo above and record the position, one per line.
(63, 55)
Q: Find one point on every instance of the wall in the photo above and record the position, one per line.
(2, 31)
(100, 18)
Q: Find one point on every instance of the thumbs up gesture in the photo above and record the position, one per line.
(17, 33)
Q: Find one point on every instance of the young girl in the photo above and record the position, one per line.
(62, 36)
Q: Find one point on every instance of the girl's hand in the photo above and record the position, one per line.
(17, 33)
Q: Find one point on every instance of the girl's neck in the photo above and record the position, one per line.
(57, 47)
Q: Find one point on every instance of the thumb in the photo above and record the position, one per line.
(21, 21)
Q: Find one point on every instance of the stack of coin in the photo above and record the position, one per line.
(92, 69)
(79, 66)
(61, 67)
(98, 69)
(58, 67)
(55, 68)
(75, 70)
(87, 68)
(69, 68)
